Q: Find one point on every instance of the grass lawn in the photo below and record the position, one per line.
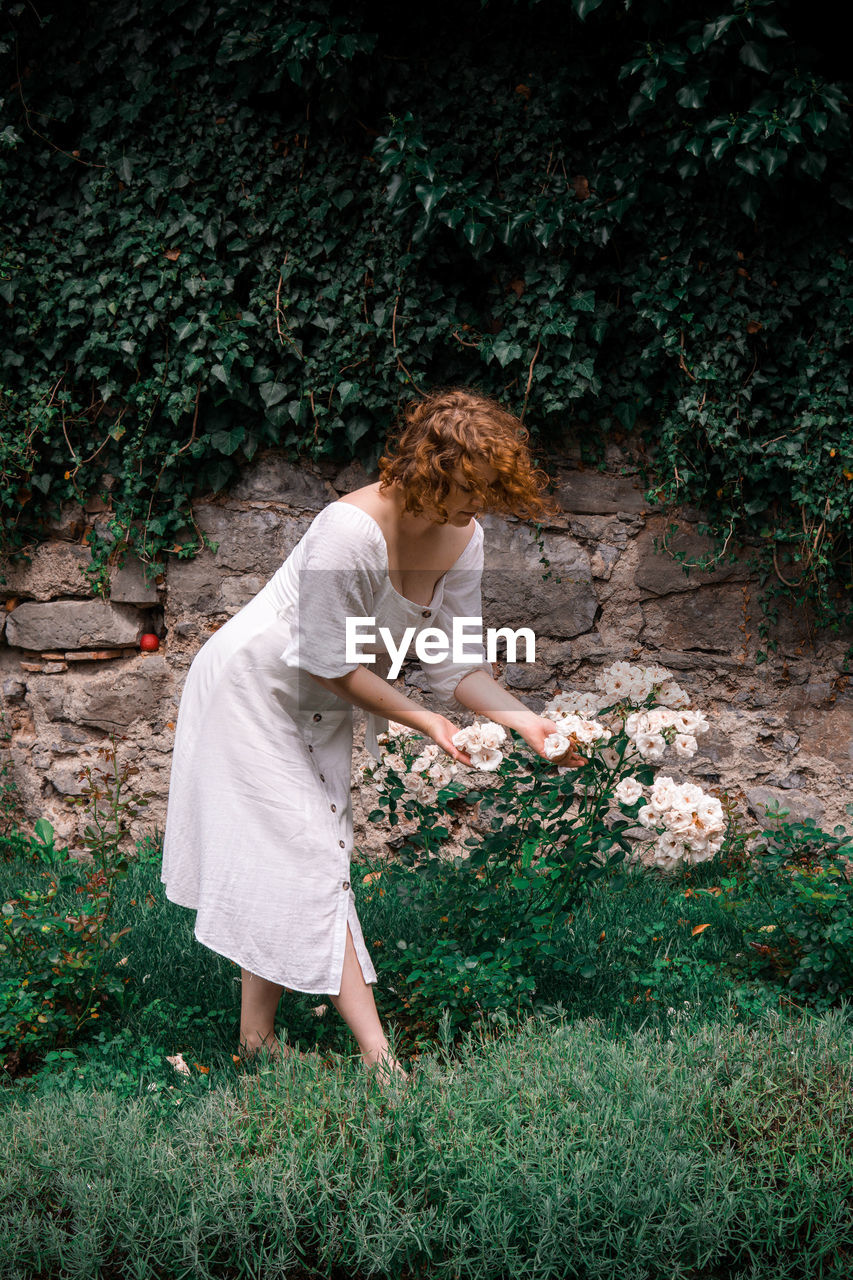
(672, 1115)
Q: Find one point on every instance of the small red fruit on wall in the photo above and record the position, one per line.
(149, 643)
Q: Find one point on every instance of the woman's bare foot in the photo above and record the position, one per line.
(255, 1046)
(384, 1067)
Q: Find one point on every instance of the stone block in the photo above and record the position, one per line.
(607, 529)
(128, 585)
(800, 806)
(825, 732)
(54, 570)
(526, 675)
(255, 543)
(70, 525)
(517, 594)
(604, 557)
(677, 660)
(73, 624)
(185, 629)
(715, 746)
(558, 611)
(14, 691)
(708, 619)
(66, 778)
(593, 493)
(113, 700)
(555, 652)
(271, 478)
(788, 782)
(100, 655)
(239, 590)
(661, 574)
(353, 477)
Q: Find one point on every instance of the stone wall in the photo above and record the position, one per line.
(72, 672)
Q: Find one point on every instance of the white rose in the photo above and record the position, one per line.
(651, 746)
(615, 681)
(416, 785)
(685, 745)
(691, 722)
(663, 792)
(679, 820)
(487, 758)
(709, 811)
(428, 756)
(441, 773)
(556, 744)
(672, 695)
(555, 707)
(647, 816)
(572, 703)
(656, 719)
(491, 734)
(668, 851)
(639, 688)
(628, 791)
(591, 731)
(587, 704)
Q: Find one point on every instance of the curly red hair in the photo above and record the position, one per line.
(460, 428)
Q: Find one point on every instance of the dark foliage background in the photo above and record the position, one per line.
(230, 226)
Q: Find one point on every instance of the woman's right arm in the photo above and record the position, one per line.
(369, 691)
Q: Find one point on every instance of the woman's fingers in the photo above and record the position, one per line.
(572, 761)
(451, 748)
(441, 732)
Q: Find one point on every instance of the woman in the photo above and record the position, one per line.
(259, 825)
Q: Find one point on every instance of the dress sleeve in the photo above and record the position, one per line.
(338, 578)
(461, 598)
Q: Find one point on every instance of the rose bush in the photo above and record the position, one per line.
(545, 832)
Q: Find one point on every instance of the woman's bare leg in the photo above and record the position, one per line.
(258, 1007)
(357, 1007)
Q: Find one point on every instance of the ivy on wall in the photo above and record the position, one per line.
(226, 227)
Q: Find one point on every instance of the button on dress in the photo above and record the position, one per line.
(259, 830)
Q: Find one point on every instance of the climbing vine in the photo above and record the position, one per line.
(230, 227)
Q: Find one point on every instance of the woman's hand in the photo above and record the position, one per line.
(534, 732)
(441, 730)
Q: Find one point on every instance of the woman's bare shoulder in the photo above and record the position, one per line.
(336, 515)
(367, 499)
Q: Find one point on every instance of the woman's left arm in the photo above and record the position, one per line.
(482, 694)
(471, 683)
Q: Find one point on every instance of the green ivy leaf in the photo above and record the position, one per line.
(505, 350)
(583, 8)
(272, 393)
(755, 56)
(228, 442)
(348, 392)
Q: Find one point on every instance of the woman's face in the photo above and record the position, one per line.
(462, 502)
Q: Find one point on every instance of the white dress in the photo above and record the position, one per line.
(259, 831)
